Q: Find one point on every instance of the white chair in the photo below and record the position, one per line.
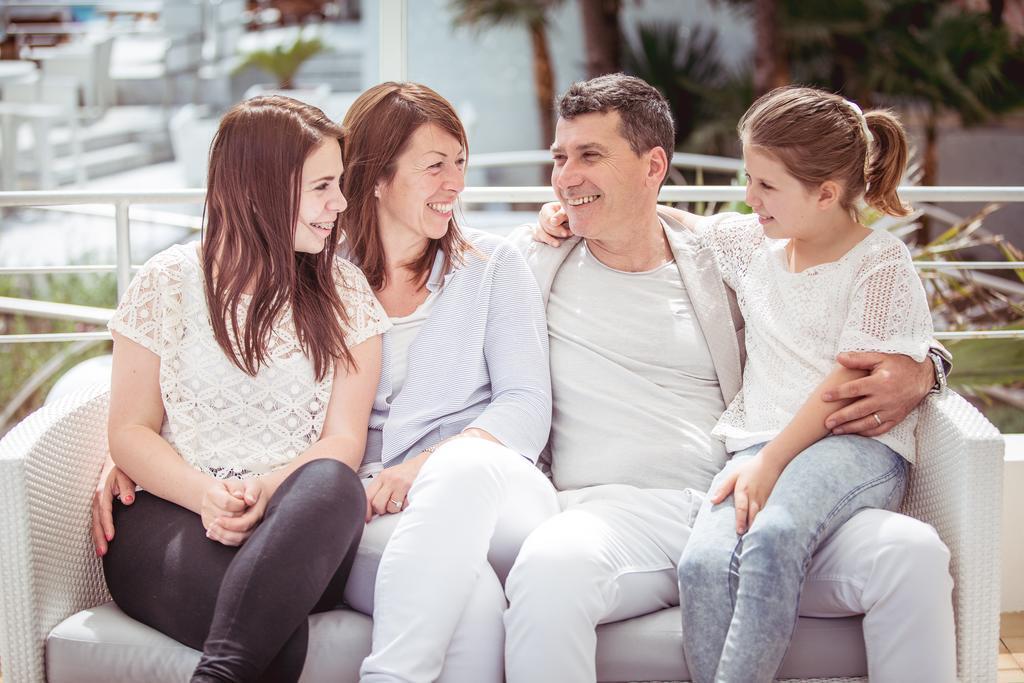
(49, 573)
(191, 137)
(88, 62)
(40, 101)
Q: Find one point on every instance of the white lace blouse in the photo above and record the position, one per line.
(220, 419)
(871, 299)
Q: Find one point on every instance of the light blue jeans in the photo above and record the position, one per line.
(739, 594)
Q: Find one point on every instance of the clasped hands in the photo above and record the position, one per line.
(232, 508)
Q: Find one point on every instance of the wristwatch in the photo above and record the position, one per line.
(940, 372)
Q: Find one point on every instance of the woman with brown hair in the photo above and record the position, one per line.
(243, 376)
(464, 404)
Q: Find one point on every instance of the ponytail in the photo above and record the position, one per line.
(887, 158)
(820, 136)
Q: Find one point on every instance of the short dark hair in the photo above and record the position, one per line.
(646, 117)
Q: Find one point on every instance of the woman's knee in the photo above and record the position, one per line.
(327, 487)
(463, 464)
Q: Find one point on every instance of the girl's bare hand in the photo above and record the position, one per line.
(552, 225)
(113, 483)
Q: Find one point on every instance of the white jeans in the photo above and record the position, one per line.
(437, 599)
(612, 554)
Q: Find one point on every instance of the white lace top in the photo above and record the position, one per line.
(871, 299)
(221, 420)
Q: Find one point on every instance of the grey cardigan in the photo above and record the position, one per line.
(479, 360)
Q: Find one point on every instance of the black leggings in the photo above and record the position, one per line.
(244, 607)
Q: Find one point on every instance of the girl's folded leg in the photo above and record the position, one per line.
(246, 616)
(707, 578)
(819, 490)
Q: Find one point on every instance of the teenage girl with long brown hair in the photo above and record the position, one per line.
(244, 372)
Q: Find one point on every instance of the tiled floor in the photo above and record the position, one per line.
(1011, 648)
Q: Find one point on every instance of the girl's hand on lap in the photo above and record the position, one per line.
(552, 225)
(219, 500)
(233, 530)
(113, 483)
(248, 490)
(750, 485)
(216, 532)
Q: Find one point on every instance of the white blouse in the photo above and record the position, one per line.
(401, 336)
(220, 419)
(870, 299)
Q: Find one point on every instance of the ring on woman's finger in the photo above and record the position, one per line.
(396, 503)
(878, 420)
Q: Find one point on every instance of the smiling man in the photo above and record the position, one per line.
(646, 352)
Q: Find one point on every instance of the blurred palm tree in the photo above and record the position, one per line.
(707, 98)
(990, 372)
(932, 56)
(943, 59)
(602, 37)
(532, 15)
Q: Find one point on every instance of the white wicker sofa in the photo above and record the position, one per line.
(56, 623)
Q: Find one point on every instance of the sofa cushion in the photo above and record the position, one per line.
(650, 648)
(103, 644)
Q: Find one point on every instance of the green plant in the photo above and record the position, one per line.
(706, 97)
(283, 61)
(19, 362)
(938, 57)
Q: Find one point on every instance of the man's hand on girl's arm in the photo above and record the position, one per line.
(895, 385)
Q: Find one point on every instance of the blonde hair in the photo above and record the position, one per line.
(820, 136)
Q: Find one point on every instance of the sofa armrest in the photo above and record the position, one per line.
(956, 486)
(49, 466)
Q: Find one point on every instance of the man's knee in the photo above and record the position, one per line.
(910, 548)
(881, 554)
(552, 569)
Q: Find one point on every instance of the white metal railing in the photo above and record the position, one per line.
(123, 201)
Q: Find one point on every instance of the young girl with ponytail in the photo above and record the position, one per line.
(811, 282)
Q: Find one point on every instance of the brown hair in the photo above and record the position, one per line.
(378, 127)
(250, 216)
(644, 112)
(820, 136)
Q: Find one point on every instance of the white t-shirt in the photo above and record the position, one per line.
(220, 419)
(628, 349)
(401, 336)
(871, 299)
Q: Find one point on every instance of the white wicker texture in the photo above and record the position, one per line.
(49, 465)
(957, 487)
